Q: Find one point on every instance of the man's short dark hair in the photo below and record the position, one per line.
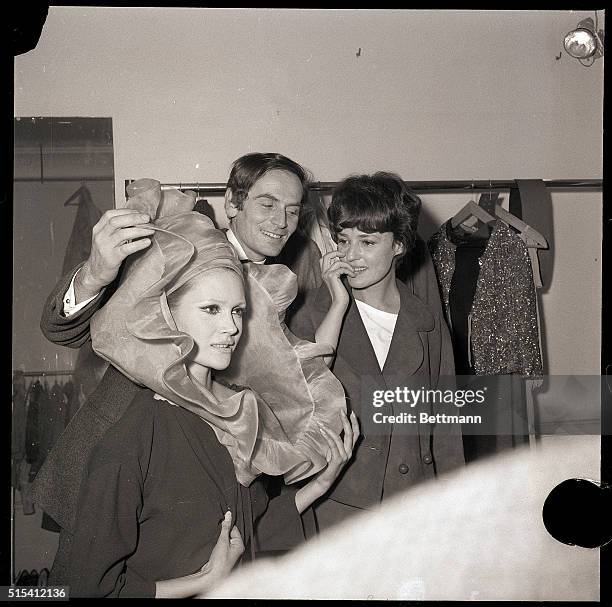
(376, 203)
(250, 167)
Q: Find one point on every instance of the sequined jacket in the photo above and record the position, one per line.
(504, 333)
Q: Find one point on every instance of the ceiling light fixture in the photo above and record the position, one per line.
(585, 43)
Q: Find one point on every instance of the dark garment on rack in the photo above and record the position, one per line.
(43, 577)
(15, 469)
(27, 578)
(52, 421)
(18, 430)
(531, 202)
(25, 488)
(461, 297)
(32, 426)
(79, 244)
(51, 424)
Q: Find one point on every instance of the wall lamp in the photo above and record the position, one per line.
(585, 43)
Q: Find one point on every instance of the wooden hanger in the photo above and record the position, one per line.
(471, 209)
(530, 236)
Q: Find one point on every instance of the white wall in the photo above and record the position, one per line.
(431, 95)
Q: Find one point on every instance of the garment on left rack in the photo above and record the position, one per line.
(18, 428)
(29, 466)
(52, 420)
(35, 400)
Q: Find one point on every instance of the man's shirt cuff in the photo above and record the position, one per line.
(71, 308)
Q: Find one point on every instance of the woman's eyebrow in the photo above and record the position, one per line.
(211, 300)
(362, 236)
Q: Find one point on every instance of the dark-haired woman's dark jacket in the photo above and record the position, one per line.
(387, 462)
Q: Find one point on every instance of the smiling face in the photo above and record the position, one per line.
(210, 309)
(268, 216)
(372, 256)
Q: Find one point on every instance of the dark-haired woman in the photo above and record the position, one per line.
(384, 338)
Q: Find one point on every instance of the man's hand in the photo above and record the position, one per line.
(119, 233)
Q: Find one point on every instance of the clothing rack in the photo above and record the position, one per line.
(50, 179)
(42, 373)
(21, 373)
(481, 185)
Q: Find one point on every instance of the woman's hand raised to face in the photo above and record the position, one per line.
(332, 268)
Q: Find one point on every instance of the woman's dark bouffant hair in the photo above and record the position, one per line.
(376, 203)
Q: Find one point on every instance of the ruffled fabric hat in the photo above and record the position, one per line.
(287, 372)
(136, 333)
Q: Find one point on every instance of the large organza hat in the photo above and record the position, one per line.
(288, 373)
(136, 333)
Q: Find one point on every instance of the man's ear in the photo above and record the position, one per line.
(230, 209)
